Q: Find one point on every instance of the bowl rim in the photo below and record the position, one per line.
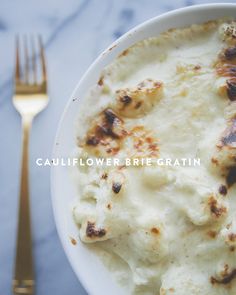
(99, 59)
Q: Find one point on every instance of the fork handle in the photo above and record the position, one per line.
(23, 282)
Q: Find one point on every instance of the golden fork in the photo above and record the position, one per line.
(29, 99)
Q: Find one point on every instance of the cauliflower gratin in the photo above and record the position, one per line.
(162, 229)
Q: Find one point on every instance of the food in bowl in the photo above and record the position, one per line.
(164, 229)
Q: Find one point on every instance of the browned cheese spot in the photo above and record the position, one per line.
(212, 234)
(227, 278)
(116, 187)
(104, 176)
(216, 210)
(227, 145)
(197, 67)
(226, 67)
(144, 142)
(126, 100)
(155, 231)
(231, 89)
(223, 190)
(229, 136)
(138, 105)
(215, 161)
(228, 226)
(232, 248)
(226, 70)
(231, 176)
(93, 140)
(230, 53)
(106, 133)
(232, 237)
(92, 232)
(138, 101)
(100, 81)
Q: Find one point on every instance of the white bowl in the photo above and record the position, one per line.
(92, 274)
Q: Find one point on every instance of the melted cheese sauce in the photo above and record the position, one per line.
(161, 229)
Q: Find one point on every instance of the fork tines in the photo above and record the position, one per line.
(30, 63)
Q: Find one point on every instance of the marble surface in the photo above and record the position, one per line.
(75, 32)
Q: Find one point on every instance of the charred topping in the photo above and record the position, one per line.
(226, 70)
(104, 176)
(93, 140)
(229, 139)
(212, 234)
(155, 230)
(232, 237)
(232, 70)
(153, 147)
(231, 89)
(216, 210)
(100, 81)
(230, 31)
(232, 248)
(121, 167)
(138, 105)
(197, 67)
(231, 177)
(113, 150)
(104, 128)
(110, 116)
(223, 190)
(214, 161)
(228, 226)
(92, 232)
(230, 53)
(116, 187)
(226, 280)
(230, 134)
(143, 141)
(126, 99)
(109, 206)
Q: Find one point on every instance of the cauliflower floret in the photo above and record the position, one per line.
(227, 32)
(157, 177)
(185, 280)
(230, 111)
(211, 208)
(228, 235)
(96, 227)
(149, 240)
(104, 138)
(200, 203)
(141, 143)
(136, 102)
(225, 154)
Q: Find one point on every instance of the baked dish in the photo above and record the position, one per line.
(168, 230)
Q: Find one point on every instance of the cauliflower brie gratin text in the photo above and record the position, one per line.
(162, 229)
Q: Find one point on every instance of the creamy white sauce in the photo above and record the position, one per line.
(162, 235)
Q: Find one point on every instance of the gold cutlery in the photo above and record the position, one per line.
(29, 99)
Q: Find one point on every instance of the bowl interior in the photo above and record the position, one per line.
(93, 275)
